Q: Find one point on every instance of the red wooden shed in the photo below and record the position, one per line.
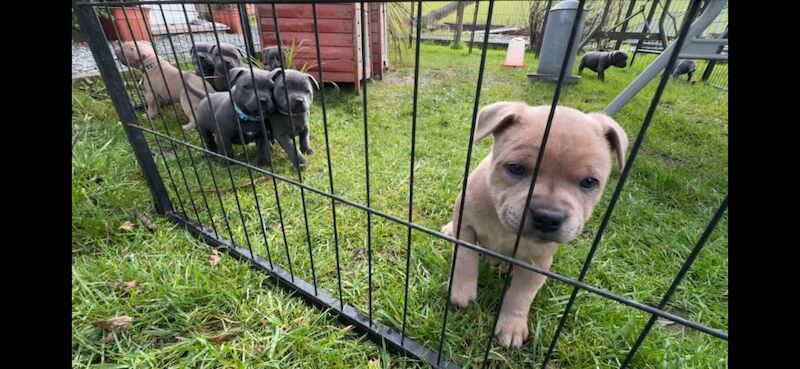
(339, 37)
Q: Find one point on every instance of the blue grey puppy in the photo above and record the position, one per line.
(297, 93)
(599, 61)
(272, 58)
(237, 114)
(214, 62)
(685, 67)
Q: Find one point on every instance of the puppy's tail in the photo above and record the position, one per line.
(193, 90)
(335, 87)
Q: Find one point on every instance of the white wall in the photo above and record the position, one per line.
(173, 13)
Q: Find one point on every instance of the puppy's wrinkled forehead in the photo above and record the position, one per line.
(574, 140)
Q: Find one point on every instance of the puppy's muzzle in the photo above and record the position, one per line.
(298, 104)
(546, 220)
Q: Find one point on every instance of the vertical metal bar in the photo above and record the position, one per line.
(411, 172)
(621, 182)
(677, 281)
(328, 152)
(243, 11)
(556, 95)
(366, 149)
(229, 155)
(164, 122)
(625, 23)
(119, 97)
(208, 157)
(474, 25)
(194, 117)
(248, 34)
(150, 121)
(411, 17)
(294, 142)
(277, 200)
(475, 106)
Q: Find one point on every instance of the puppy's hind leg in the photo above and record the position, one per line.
(465, 275)
(208, 140)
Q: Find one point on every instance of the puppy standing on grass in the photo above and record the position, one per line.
(599, 61)
(685, 66)
(165, 88)
(225, 118)
(299, 88)
(573, 174)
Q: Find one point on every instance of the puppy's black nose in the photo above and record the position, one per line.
(546, 220)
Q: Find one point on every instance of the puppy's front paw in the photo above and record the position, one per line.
(512, 330)
(463, 294)
(307, 150)
(447, 229)
(188, 126)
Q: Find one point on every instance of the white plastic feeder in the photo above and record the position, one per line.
(516, 53)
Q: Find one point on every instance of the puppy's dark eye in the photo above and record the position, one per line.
(589, 183)
(515, 169)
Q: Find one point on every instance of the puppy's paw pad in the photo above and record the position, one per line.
(511, 332)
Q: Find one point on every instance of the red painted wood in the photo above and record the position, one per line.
(327, 53)
(340, 37)
(325, 39)
(307, 25)
(324, 11)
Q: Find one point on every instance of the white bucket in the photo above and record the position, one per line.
(516, 53)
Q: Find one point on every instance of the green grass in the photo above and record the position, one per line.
(183, 302)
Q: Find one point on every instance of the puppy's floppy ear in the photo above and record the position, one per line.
(313, 81)
(235, 73)
(496, 117)
(276, 73)
(615, 135)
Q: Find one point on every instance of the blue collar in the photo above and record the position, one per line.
(243, 116)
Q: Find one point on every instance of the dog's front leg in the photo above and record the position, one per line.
(297, 158)
(305, 146)
(512, 325)
(465, 275)
(264, 151)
